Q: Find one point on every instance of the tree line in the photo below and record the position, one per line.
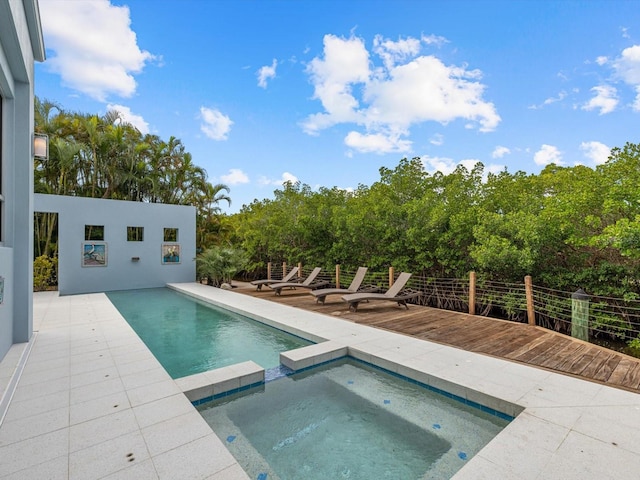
(567, 227)
(106, 157)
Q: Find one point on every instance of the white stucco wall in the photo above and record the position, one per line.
(6, 308)
(20, 46)
(121, 272)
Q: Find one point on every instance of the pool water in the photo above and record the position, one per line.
(188, 336)
(349, 420)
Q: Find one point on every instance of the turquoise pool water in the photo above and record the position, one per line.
(188, 336)
(348, 420)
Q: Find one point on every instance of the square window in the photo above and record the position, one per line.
(94, 232)
(135, 234)
(170, 234)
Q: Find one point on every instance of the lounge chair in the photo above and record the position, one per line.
(394, 294)
(268, 281)
(308, 282)
(322, 293)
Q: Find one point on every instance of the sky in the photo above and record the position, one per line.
(327, 92)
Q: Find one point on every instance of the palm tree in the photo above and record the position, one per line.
(219, 264)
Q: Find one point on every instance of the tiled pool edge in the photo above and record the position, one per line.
(566, 430)
(199, 390)
(306, 358)
(258, 318)
(214, 384)
(206, 386)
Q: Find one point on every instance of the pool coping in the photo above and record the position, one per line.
(63, 422)
(564, 427)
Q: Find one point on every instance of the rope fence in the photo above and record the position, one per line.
(587, 317)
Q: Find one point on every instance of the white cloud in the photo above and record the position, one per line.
(286, 177)
(235, 177)
(500, 152)
(446, 165)
(392, 52)
(437, 140)
(443, 165)
(625, 32)
(128, 117)
(627, 67)
(428, 90)
(601, 60)
(345, 62)
(493, 168)
(561, 96)
(376, 143)
(387, 100)
(96, 52)
(605, 99)
(548, 154)
(469, 163)
(597, 152)
(434, 40)
(215, 124)
(267, 72)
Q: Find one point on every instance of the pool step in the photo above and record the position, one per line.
(209, 385)
(311, 355)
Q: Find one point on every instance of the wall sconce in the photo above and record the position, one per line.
(40, 146)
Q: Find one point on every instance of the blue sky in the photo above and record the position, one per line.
(327, 92)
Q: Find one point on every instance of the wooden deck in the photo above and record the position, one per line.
(499, 338)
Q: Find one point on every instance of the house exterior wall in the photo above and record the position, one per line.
(122, 271)
(20, 46)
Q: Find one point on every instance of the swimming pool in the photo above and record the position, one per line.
(188, 336)
(347, 419)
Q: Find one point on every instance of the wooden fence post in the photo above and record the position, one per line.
(284, 269)
(472, 293)
(338, 275)
(391, 276)
(299, 269)
(269, 270)
(528, 288)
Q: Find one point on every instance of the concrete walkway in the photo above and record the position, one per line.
(92, 402)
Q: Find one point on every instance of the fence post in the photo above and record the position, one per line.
(299, 269)
(391, 276)
(528, 288)
(580, 315)
(472, 293)
(284, 269)
(268, 270)
(337, 275)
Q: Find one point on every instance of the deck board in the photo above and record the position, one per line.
(499, 338)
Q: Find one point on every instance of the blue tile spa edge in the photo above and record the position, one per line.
(210, 398)
(282, 371)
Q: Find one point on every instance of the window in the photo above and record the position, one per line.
(135, 234)
(94, 232)
(170, 234)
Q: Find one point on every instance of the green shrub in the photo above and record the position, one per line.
(219, 264)
(44, 269)
(633, 347)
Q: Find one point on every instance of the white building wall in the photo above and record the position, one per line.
(20, 45)
(122, 270)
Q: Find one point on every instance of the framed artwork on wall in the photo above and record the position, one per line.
(170, 253)
(94, 254)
